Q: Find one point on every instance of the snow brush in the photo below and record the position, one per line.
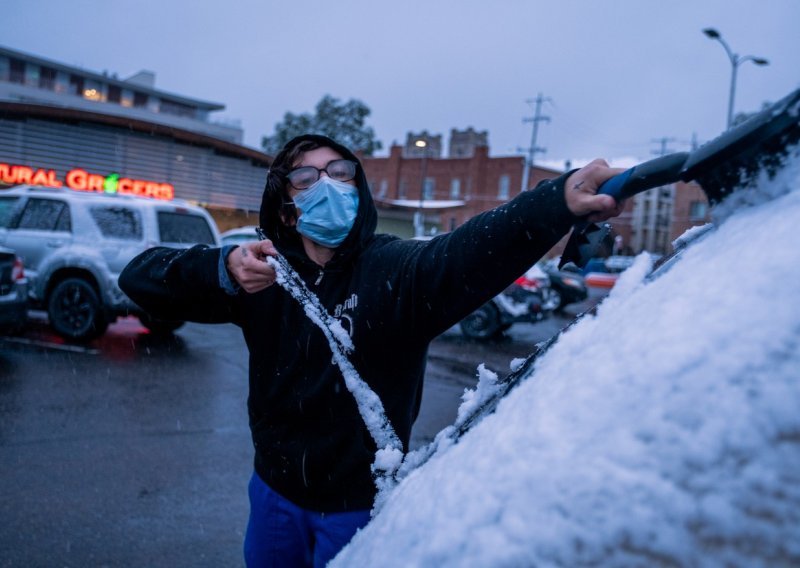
(732, 160)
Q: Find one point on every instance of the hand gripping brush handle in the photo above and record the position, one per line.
(732, 160)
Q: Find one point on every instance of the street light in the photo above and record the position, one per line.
(419, 217)
(736, 60)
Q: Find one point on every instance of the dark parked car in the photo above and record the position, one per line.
(13, 292)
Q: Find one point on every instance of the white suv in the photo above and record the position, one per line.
(75, 244)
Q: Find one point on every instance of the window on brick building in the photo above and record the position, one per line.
(697, 210)
(455, 188)
(503, 187)
(428, 188)
(383, 188)
(402, 189)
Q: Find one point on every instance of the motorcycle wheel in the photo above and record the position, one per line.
(483, 323)
(555, 300)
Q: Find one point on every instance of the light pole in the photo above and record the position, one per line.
(419, 217)
(736, 60)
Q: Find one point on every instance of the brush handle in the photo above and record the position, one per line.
(657, 172)
(616, 185)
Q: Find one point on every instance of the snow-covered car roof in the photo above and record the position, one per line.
(239, 235)
(664, 430)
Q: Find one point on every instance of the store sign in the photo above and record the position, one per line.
(81, 180)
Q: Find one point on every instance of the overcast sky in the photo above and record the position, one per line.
(618, 74)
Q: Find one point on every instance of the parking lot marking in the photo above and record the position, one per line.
(50, 345)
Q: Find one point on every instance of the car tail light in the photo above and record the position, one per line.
(18, 270)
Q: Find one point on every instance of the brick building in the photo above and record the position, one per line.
(447, 191)
(653, 219)
(417, 190)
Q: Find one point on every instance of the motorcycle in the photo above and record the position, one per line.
(532, 297)
(566, 287)
(526, 300)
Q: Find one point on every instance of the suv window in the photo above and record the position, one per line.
(183, 228)
(8, 206)
(45, 215)
(118, 222)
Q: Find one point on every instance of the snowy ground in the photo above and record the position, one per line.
(663, 431)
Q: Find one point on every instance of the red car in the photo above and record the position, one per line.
(603, 273)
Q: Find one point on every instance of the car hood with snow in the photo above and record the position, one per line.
(663, 431)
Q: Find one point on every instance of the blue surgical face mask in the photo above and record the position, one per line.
(327, 211)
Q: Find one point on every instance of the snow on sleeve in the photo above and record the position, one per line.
(290, 281)
(389, 454)
(663, 431)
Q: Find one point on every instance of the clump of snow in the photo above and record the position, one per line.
(516, 364)
(472, 398)
(663, 431)
(387, 461)
(691, 234)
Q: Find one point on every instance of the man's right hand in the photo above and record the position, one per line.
(581, 192)
(247, 265)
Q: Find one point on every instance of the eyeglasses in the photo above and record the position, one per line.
(305, 177)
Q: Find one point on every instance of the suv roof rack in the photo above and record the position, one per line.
(27, 188)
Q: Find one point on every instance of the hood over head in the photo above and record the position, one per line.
(285, 238)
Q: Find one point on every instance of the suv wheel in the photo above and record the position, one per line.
(159, 326)
(75, 311)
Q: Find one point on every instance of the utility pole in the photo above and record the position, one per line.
(535, 119)
(663, 142)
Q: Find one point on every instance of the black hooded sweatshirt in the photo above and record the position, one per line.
(393, 296)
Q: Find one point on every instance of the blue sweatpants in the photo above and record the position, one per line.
(282, 535)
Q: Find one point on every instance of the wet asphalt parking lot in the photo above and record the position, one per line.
(134, 450)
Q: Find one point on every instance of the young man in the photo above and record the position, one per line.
(312, 487)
